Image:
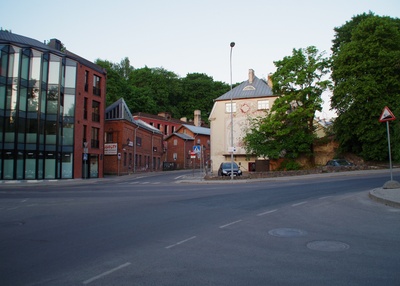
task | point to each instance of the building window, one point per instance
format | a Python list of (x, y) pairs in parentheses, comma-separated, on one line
[(86, 80), (85, 108), (228, 107), (165, 129), (263, 104), (96, 85), (175, 142), (95, 111), (173, 129), (109, 137), (95, 138), (138, 141)]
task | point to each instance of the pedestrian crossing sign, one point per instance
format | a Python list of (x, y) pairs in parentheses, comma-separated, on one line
[(197, 149)]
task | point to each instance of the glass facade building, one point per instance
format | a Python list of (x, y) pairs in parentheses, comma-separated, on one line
[(38, 96)]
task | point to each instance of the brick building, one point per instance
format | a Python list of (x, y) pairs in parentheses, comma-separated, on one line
[(179, 144), (131, 145)]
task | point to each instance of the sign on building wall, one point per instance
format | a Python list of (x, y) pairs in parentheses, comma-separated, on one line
[(110, 148)]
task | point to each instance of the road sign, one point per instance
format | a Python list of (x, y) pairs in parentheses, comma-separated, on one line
[(197, 149), (386, 115), (84, 157), (192, 155)]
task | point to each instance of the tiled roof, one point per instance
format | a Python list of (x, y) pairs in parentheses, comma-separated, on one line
[(183, 136), (257, 88), (197, 129)]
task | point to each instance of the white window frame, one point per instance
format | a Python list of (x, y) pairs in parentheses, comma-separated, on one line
[(263, 104), (228, 107)]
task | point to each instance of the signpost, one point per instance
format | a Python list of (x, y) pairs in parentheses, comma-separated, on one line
[(387, 116)]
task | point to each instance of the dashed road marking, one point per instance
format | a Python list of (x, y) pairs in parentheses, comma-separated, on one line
[(231, 223), (267, 212), (180, 242), (298, 204), (106, 273)]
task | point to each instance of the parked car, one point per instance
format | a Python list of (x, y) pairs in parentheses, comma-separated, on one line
[(225, 169), (339, 163)]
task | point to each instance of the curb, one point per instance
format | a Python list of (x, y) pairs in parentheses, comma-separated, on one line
[(382, 196)]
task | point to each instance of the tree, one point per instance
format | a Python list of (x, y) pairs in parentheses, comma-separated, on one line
[(366, 76), (198, 92), (288, 130)]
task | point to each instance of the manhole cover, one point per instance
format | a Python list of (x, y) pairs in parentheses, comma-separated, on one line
[(326, 245), (287, 232)]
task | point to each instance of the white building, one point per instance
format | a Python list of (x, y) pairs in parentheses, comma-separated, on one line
[(252, 98)]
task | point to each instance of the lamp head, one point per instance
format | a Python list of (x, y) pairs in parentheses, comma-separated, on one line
[(232, 44)]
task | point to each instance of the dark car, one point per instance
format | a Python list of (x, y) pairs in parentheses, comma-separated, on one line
[(225, 169), (339, 163)]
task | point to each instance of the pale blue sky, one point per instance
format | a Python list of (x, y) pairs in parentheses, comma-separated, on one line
[(189, 36)]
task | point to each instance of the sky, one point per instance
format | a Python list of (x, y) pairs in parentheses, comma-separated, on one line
[(190, 36)]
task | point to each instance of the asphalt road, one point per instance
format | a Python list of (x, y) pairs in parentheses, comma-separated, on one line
[(151, 231)]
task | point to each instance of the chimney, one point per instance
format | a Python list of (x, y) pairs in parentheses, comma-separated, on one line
[(251, 76), (55, 44), (184, 119), (197, 118), (269, 80)]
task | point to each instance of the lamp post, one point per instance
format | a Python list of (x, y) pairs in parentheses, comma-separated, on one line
[(230, 61)]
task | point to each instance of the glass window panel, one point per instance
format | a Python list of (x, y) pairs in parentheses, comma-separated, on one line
[(52, 100), (50, 165), (9, 129), (3, 92), (51, 132), (25, 67), (68, 136), (70, 76), (54, 72), (22, 98), (40, 166), (45, 69), (3, 64), (69, 105), (13, 64), (21, 130), (30, 165), (20, 166), (67, 164), (32, 130), (8, 165)]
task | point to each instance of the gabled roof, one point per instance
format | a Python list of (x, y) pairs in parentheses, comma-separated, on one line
[(120, 111), (251, 88), (180, 135), (197, 129)]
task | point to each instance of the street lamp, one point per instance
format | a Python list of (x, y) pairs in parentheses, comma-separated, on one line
[(230, 60)]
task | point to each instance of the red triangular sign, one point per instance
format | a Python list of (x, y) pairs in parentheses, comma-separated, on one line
[(386, 115)]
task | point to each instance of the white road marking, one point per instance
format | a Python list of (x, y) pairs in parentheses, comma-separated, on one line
[(268, 212), (222, 226), (323, 198), (106, 273), (176, 178), (180, 242), (145, 183), (298, 204)]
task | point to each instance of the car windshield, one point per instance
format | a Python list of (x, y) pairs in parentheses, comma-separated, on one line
[(228, 165), (342, 162)]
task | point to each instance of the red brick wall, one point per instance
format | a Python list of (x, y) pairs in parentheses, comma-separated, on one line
[(80, 121), (149, 150)]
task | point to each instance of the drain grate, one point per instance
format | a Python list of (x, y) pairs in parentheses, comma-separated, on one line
[(328, 245), (287, 232)]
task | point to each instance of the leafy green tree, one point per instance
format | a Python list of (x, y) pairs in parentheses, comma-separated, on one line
[(366, 75), (288, 130), (199, 92)]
